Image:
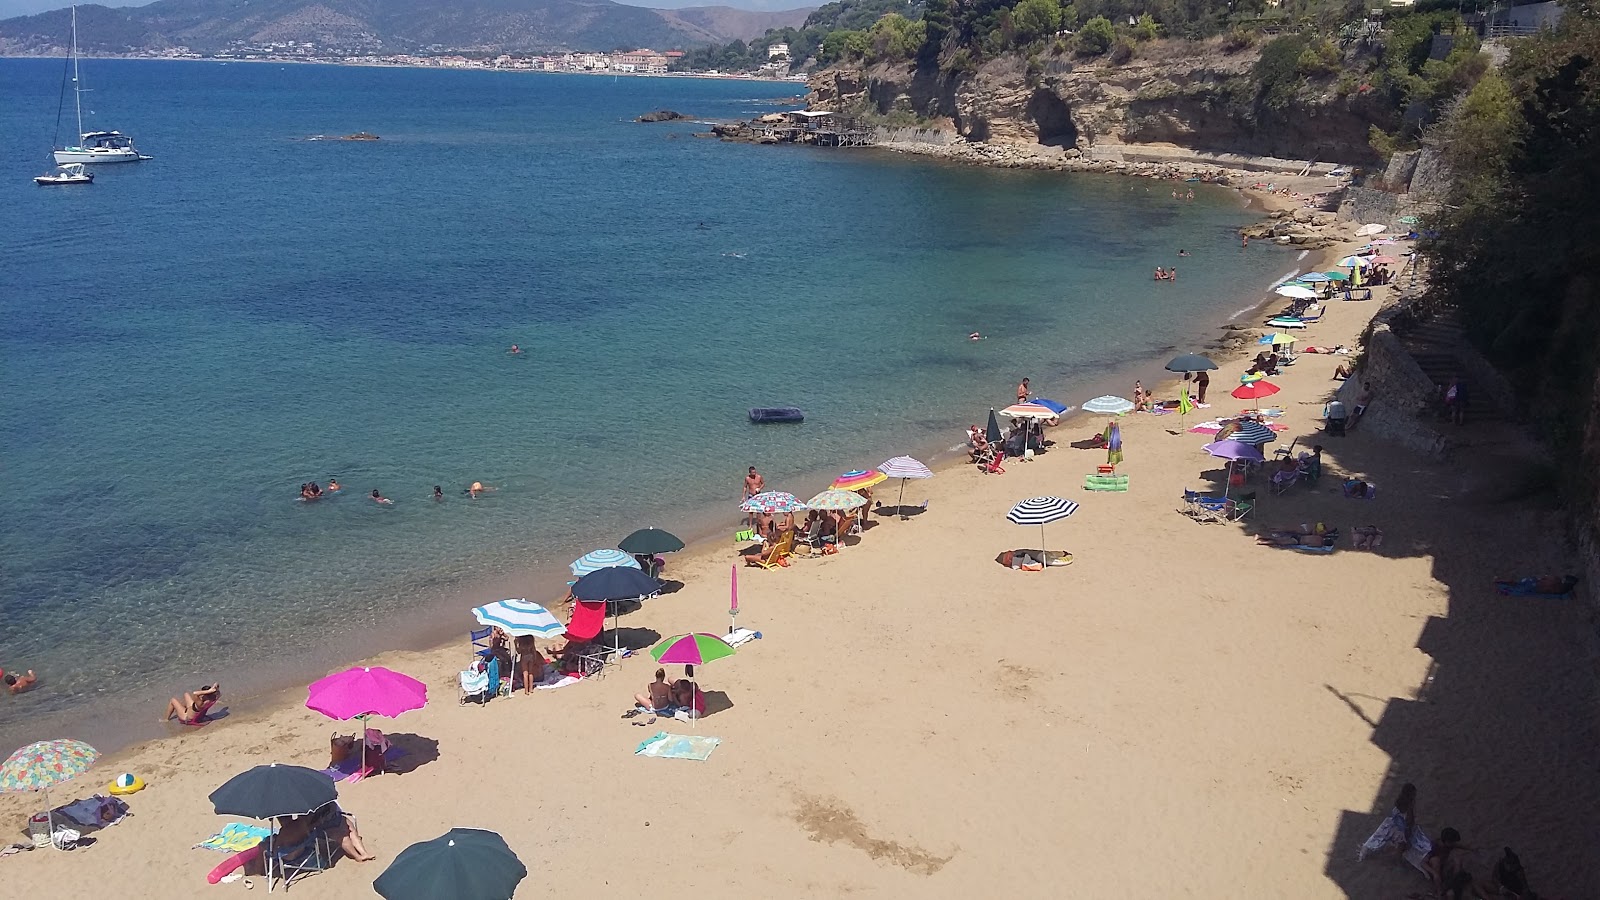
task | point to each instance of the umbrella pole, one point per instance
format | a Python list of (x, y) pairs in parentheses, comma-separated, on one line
[(900, 505), (1228, 484)]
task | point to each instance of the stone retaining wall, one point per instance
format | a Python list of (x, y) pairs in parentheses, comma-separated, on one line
[(1402, 392)]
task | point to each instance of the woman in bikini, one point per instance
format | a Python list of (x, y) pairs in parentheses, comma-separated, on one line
[(192, 708)]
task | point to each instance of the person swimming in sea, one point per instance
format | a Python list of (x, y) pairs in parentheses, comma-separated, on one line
[(333, 485), (1183, 253), (438, 492), (514, 351), (381, 498), (975, 336), (477, 488)]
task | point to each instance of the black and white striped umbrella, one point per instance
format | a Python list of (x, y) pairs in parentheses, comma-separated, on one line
[(1253, 433), (1039, 510)]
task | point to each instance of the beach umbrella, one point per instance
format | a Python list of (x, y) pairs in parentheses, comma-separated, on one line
[(1059, 409), (1276, 338), (1255, 390), (904, 468), (1190, 362), (1313, 277), (1369, 230), (366, 690), (363, 691), (1108, 405), (1295, 291), (1233, 451), (858, 479), (1041, 511), (1252, 432), (772, 502), (1336, 276), (833, 498), (992, 432), (606, 558), (1113, 445), (41, 765), (1354, 262), (1029, 410), (461, 864), (650, 541), (692, 649), (272, 790), (519, 617), (615, 583), (1383, 260)]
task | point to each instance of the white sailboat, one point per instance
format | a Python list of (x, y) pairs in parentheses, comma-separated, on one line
[(92, 146)]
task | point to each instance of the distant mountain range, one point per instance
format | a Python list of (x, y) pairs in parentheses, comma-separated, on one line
[(352, 27)]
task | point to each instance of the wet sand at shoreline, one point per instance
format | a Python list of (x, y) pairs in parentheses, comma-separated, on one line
[(1179, 712)]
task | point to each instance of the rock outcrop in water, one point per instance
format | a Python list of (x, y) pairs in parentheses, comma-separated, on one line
[(662, 115)]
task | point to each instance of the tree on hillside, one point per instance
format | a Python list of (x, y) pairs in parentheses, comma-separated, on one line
[(1036, 20), (1096, 36)]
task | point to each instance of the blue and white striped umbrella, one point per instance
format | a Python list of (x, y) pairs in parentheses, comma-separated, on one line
[(518, 617), (1253, 433), (1039, 510), (1108, 405), (905, 467), (596, 560)]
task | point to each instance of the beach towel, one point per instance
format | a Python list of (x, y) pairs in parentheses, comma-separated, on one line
[(1105, 483), (677, 746), (1524, 587), (1392, 832), (93, 812), (561, 682), (740, 636), (235, 837), (1211, 427)]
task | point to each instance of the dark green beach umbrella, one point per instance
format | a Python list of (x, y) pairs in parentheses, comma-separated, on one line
[(992, 433), (462, 864), (266, 792), (1190, 362), (649, 542)]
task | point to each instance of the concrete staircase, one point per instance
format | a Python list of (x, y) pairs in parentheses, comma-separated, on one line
[(1433, 344)]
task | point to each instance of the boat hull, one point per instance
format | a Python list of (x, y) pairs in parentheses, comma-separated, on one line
[(81, 155), (48, 180), (763, 415)]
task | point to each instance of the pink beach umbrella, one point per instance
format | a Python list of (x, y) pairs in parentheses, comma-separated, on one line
[(363, 691)]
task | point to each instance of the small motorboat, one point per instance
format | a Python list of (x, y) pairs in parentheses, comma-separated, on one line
[(762, 415), (71, 173)]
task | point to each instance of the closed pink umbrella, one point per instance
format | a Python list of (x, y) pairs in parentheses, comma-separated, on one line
[(365, 691)]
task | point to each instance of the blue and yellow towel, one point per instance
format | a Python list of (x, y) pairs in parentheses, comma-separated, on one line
[(236, 837)]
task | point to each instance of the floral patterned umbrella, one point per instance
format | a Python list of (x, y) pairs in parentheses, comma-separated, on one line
[(38, 766), (836, 499), (773, 502)]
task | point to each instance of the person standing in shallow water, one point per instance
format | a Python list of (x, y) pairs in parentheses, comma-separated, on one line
[(1023, 391)]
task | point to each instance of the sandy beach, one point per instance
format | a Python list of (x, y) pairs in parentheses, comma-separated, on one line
[(1180, 712)]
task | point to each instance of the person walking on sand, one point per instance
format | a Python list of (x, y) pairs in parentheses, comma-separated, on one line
[(1023, 391)]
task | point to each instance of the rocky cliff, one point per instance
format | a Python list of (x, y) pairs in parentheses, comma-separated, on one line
[(1191, 95)]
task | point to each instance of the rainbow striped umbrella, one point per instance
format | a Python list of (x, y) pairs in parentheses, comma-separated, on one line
[(857, 479), (38, 766), (833, 498)]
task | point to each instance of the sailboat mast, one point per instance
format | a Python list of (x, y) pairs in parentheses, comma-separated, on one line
[(77, 90)]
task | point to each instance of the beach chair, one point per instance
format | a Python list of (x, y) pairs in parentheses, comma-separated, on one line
[(1285, 452), (311, 854), (1243, 505), (480, 642), (994, 467), (777, 552), (1202, 505), (474, 683), (812, 537)]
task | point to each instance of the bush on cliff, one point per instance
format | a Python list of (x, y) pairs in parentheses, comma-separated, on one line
[(1036, 20), (1096, 36)]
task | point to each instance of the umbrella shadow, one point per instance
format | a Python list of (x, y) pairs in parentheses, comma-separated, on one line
[(904, 512), (670, 586), (716, 701), (1088, 444), (634, 638), (416, 751)]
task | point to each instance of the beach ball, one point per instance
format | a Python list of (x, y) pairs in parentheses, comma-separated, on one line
[(127, 783)]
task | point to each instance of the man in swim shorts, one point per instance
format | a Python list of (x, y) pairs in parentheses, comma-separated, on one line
[(1023, 391)]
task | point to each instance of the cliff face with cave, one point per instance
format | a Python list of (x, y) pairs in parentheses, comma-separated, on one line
[(1193, 96)]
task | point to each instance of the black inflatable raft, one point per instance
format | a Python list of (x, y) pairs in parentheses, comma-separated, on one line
[(762, 415)]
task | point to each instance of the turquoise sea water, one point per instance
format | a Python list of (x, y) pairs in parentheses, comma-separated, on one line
[(188, 339)]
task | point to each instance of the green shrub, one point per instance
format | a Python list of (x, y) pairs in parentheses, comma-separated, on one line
[(1036, 20), (1238, 39), (1096, 36), (1146, 29), (1124, 50)]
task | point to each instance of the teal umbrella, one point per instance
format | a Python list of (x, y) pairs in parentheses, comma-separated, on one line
[(462, 864), (992, 433)]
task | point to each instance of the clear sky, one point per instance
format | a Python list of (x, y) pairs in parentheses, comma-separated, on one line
[(9, 8)]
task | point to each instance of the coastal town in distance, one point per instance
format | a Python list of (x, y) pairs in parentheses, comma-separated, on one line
[(640, 61)]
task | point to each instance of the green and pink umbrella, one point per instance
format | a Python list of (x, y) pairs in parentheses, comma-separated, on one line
[(694, 649)]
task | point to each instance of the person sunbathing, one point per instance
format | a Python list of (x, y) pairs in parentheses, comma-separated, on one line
[(336, 822), (192, 708), (1298, 537), (656, 698)]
